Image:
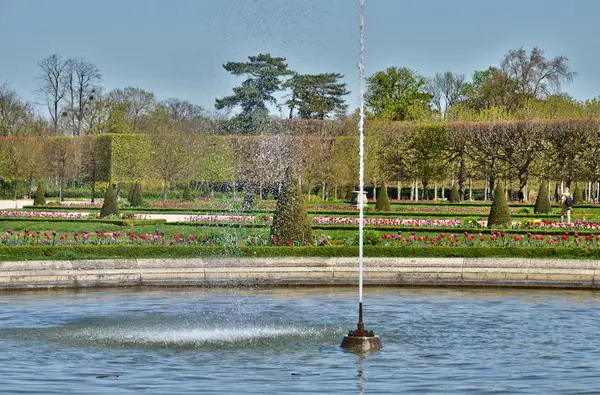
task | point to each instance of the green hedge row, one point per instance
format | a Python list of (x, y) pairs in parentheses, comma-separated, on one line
[(393, 228), (141, 251), (118, 222)]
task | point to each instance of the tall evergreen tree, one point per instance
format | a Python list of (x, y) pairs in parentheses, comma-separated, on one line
[(383, 202), (316, 96), (263, 74)]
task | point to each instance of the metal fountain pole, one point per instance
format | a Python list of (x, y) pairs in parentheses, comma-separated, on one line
[(361, 339)]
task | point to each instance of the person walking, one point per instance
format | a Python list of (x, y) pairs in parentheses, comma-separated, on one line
[(566, 202)]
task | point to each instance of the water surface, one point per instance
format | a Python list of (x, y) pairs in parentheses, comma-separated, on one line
[(286, 340)]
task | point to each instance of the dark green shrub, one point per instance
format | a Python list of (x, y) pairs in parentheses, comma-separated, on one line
[(39, 199), (383, 203), (110, 206), (290, 221), (187, 194), (499, 212), (454, 195), (542, 203), (136, 197), (577, 195)]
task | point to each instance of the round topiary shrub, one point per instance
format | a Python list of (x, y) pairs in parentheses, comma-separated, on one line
[(542, 203), (499, 213), (290, 221), (110, 206), (454, 195), (136, 198), (577, 195), (39, 199), (383, 202)]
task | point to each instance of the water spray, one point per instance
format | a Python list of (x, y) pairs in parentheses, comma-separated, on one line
[(361, 339)]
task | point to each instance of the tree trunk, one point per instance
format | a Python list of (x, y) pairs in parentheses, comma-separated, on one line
[(435, 195), (416, 191), (491, 182), (470, 189), (164, 196), (399, 193), (60, 190), (16, 191), (93, 191), (462, 176)]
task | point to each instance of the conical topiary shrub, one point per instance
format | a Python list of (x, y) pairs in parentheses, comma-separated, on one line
[(110, 206), (499, 213), (348, 197), (290, 221), (383, 202), (454, 195), (542, 203), (187, 194), (136, 197), (577, 195), (39, 199)]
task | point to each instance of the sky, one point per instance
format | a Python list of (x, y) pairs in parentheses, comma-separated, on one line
[(177, 48)]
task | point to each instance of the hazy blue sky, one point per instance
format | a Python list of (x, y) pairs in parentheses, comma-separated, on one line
[(176, 48)]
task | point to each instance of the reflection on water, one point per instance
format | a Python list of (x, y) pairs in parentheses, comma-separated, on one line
[(287, 340)]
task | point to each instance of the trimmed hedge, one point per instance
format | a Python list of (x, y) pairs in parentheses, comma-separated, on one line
[(114, 221), (135, 251)]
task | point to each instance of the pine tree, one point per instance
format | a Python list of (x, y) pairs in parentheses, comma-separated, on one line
[(290, 221), (499, 213), (454, 195), (110, 205), (577, 195), (383, 203), (39, 198), (542, 203)]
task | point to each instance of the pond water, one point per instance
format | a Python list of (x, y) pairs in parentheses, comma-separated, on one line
[(286, 340)]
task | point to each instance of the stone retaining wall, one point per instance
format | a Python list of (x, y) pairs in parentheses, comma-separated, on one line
[(301, 271)]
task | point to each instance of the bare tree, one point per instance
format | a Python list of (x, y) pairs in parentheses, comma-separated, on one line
[(446, 90), (535, 75), (14, 114), (138, 101), (82, 80), (53, 88)]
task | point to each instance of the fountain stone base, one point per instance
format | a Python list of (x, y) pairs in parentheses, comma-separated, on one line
[(360, 339)]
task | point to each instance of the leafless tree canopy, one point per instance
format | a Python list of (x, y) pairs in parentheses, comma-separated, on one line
[(83, 83), (446, 90), (52, 87)]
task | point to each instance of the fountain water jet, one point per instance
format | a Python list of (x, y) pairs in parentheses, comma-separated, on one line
[(361, 339)]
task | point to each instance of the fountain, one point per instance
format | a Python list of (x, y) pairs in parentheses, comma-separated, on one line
[(361, 339)]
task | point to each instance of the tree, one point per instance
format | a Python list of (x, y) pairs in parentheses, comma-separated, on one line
[(542, 203), (14, 114), (290, 220), (536, 76), (499, 212), (82, 79), (53, 87), (187, 117), (14, 154), (136, 197), (316, 96), (63, 160), (263, 73), (135, 102), (446, 90), (391, 93)]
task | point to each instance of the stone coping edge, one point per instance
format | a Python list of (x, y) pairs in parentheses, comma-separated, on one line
[(502, 272)]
